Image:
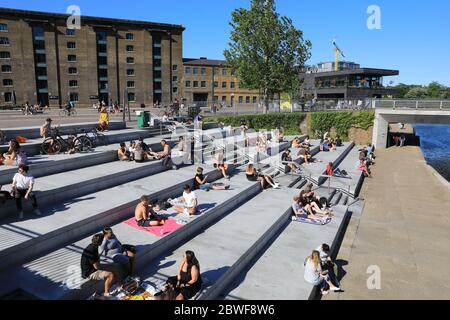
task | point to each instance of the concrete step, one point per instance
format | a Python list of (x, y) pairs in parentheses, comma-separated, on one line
[(280, 267), (43, 165), (355, 179), (33, 146), (77, 183), (56, 275), (34, 132), (236, 236), (317, 169), (216, 290), (337, 198), (71, 220)]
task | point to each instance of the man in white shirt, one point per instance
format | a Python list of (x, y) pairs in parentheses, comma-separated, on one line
[(22, 187), (189, 202)]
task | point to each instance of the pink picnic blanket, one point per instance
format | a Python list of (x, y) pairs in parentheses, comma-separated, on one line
[(160, 231)]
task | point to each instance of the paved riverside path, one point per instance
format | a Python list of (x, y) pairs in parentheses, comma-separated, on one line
[(404, 230)]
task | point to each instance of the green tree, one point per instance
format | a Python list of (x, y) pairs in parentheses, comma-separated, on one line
[(266, 50), (436, 90), (417, 93)]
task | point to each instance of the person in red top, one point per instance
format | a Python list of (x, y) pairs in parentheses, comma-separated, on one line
[(330, 169)]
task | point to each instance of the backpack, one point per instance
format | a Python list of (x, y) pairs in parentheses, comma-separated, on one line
[(324, 202)]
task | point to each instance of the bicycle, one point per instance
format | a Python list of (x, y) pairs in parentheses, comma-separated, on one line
[(56, 143), (67, 113), (96, 137)]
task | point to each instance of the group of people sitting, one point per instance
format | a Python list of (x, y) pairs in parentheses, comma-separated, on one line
[(321, 270), (107, 259), (140, 152), (309, 206), (330, 144), (15, 156), (304, 152), (366, 159)]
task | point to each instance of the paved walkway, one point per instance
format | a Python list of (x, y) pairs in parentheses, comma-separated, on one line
[(404, 229)]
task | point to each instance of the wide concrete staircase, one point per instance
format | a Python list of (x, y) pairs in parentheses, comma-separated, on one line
[(238, 232)]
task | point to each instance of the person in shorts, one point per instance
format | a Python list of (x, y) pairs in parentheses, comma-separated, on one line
[(145, 215), (90, 264)]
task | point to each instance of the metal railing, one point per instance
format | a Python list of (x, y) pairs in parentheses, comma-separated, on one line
[(412, 104)]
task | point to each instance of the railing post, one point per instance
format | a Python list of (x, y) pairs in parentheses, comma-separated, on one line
[(417, 104), (394, 104), (441, 105)]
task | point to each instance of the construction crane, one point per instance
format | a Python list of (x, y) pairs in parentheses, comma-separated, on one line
[(337, 51)]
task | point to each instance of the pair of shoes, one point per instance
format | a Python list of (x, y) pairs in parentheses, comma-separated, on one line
[(174, 167), (37, 212), (294, 218), (276, 186), (227, 187)]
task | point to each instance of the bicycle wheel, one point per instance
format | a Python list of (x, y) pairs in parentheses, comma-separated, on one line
[(73, 112), (63, 113), (51, 146), (82, 144)]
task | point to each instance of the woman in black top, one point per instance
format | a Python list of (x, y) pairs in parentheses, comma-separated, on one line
[(188, 280), (312, 207), (266, 181), (201, 182)]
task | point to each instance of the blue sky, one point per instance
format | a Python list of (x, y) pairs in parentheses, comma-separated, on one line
[(415, 34)]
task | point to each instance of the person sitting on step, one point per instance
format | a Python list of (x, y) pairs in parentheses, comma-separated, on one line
[(311, 206), (188, 282), (306, 143), (304, 153), (188, 203), (90, 264), (327, 262), (265, 180), (165, 155), (118, 253), (22, 187), (316, 276), (362, 166), (144, 214), (219, 164), (299, 212), (123, 153), (296, 143), (201, 182), (286, 159)]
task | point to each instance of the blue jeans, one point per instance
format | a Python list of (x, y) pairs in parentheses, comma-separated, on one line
[(205, 186)]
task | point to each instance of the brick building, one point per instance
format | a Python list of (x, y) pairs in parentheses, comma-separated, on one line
[(44, 61), (206, 81)]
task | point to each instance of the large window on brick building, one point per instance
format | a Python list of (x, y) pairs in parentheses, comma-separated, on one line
[(70, 32), (4, 41), (3, 27), (5, 55), (8, 97), (7, 82), (6, 68), (71, 45), (72, 58), (73, 83), (73, 70), (130, 72), (129, 36)]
